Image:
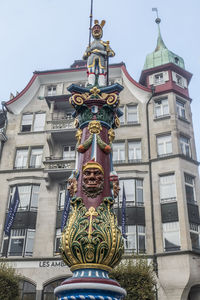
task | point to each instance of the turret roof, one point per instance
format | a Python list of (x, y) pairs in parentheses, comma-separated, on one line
[(162, 55)]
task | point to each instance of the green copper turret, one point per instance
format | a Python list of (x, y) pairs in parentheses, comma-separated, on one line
[(161, 55)]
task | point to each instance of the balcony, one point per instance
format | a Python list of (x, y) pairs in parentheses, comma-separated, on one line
[(58, 168), (3, 136), (62, 129)]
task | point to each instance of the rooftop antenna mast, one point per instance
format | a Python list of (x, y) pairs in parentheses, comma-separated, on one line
[(91, 17)]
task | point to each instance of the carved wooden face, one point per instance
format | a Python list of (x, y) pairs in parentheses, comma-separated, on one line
[(93, 180)]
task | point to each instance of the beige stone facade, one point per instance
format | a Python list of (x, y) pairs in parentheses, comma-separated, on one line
[(160, 179)]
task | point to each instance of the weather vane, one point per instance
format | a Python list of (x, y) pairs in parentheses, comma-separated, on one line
[(158, 20)]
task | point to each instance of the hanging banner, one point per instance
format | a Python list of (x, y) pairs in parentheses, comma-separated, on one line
[(65, 211), (124, 213), (12, 212)]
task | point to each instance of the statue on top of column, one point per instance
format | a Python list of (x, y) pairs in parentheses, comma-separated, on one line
[(97, 56)]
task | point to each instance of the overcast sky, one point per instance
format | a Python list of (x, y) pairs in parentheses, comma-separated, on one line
[(51, 34)]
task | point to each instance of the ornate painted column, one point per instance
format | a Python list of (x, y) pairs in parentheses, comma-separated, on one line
[(91, 243)]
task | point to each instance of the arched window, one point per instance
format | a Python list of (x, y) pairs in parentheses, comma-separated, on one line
[(27, 290), (48, 291)]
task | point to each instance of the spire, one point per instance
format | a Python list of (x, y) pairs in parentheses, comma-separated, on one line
[(161, 55), (160, 42)]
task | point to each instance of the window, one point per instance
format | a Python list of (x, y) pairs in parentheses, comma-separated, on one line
[(189, 189), (27, 290), (132, 114), (27, 121), (21, 158), (122, 118), (195, 236), (180, 108), (171, 236), (185, 146), (179, 80), (57, 240), (161, 108), (51, 90), (135, 241), (164, 145), (167, 188), (33, 122), (61, 196), (119, 152), (134, 151), (28, 195), (20, 243), (158, 78), (48, 292), (68, 152), (39, 122), (36, 157), (133, 190)]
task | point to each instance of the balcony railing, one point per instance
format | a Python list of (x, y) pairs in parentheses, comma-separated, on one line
[(58, 124), (3, 136), (53, 163)]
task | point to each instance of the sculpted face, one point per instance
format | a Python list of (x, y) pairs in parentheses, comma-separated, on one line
[(116, 188), (97, 32), (93, 180)]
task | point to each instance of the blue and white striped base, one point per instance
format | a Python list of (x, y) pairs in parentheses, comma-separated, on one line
[(89, 297)]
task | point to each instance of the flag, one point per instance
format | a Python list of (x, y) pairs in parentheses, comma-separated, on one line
[(65, 211), (154, 9), (12, 212), (124, 213)]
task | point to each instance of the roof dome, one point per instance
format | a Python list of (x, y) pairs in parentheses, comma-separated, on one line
[(162, 55)]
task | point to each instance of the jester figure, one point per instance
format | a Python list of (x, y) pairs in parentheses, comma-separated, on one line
[(97, 56)]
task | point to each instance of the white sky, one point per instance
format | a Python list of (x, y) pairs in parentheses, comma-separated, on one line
[(51, 34)]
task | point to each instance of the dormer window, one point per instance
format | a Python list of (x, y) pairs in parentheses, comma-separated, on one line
[(158, 78), (51, 90), (176, 59), (179, 80)]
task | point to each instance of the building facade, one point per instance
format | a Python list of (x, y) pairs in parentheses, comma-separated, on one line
[(154, 155)]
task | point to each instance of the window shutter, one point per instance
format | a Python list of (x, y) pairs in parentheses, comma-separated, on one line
[(185, 82), (173, 76), (166, 76), (151, 81)]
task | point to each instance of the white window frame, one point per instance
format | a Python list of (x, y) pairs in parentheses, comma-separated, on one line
[(69, 154), (158, 78), (165, 141), (39, 122), (185, 146), (160, 105), (61, 196), (179, 80), (119, 152), (167, 186), (21, 156), (170, 229), (51, 90), (36, 157), (134, 148), (191, 185), (58, 236), (132, 199), (133, 113), (27, 120), (195, 230), (20, 234), (122, 118), (181, 109), (132, 243), (34, 190)]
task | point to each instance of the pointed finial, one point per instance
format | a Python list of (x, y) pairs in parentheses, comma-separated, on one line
[(160, 43)]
